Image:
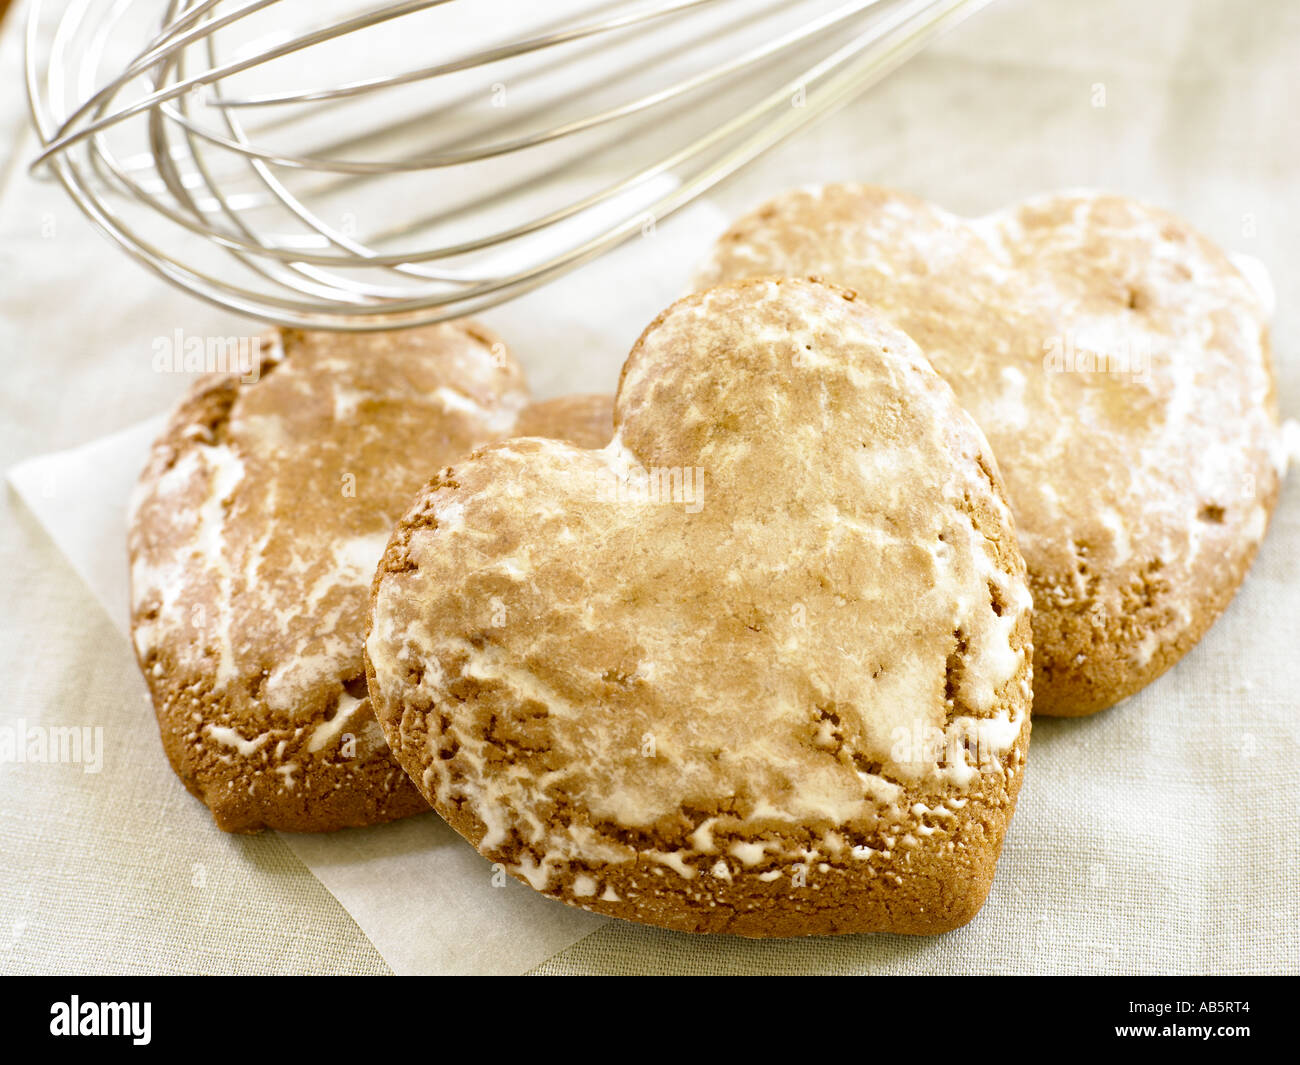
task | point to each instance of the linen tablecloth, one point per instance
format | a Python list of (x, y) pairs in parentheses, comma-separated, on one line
[(1159, 836)]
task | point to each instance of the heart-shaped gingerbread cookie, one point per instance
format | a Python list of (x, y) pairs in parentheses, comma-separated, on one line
[(1118, 363), (255, 532), (761, 665)]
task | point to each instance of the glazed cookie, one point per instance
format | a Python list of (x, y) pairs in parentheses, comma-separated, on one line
[(761, 665), (255, 531), (1119, 364), (584, 420)]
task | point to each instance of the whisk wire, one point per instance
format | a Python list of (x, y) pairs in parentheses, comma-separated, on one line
[(160, 160)]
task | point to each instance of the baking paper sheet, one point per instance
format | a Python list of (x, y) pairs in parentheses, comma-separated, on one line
[(421, 894)]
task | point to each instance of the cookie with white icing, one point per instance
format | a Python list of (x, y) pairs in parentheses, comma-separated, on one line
[(761, 665), (255, 531), (1118, 363)]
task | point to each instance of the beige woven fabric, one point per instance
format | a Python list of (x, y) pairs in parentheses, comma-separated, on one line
[(1159, 836)]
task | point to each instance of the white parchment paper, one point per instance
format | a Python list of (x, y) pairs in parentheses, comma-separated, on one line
[(421, 894)]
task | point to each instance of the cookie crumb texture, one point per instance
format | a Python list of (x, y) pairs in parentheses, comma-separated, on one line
[(1118, 363), (788, 694), (254, 535)]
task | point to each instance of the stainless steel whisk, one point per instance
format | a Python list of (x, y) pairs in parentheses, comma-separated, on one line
[(331, 166)]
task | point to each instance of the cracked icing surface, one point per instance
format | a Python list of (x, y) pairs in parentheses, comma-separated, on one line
[(1140, 498), (255, 531), (792, 700)]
